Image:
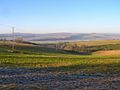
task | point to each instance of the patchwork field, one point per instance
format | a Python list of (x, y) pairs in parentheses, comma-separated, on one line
[(37, 68), (97, 42), (108, 53)]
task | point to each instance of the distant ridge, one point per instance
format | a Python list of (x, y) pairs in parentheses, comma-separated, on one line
[(63, 36)]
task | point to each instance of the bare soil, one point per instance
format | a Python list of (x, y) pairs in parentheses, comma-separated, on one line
[(39, 79)]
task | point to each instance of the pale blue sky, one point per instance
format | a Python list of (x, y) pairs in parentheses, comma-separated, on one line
[(48, 16)]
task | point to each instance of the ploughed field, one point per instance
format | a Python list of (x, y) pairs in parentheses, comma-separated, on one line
[(29, 69)]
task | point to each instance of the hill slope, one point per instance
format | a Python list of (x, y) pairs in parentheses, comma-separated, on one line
[(62, 36)]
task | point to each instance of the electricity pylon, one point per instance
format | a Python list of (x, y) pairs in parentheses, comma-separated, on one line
[(13, 38), (13, 35)]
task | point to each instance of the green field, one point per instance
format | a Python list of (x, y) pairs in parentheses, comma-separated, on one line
[(58, 60), (79, 64), (31, 67)]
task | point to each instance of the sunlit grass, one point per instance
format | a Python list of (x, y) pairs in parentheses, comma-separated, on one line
[(58, 60), (76, 63)]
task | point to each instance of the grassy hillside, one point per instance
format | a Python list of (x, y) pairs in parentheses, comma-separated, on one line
[(97, 43), (89, 47), (64, 63), (24, 48), (58, 60), (31, 66), (83, 47)]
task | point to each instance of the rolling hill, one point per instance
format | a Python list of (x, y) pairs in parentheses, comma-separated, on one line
[(62, 37)]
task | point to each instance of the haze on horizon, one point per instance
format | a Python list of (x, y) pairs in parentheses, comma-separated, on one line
[(51, 16)]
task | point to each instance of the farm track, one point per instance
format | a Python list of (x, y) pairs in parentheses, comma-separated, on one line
[(41, 79)]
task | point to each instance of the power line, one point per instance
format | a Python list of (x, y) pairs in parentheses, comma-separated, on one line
[(13, 35)]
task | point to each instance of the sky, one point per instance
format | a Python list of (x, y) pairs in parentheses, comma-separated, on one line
[(51, 16)]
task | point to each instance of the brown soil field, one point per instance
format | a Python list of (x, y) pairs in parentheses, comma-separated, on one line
[(12, 79), (108, 52)]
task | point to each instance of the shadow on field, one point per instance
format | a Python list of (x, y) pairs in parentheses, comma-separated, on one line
[(113, 68)]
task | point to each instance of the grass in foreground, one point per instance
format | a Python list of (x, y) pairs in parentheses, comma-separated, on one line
[(64, 63)]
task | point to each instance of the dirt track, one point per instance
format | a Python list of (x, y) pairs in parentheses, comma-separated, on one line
[(37, 79)]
